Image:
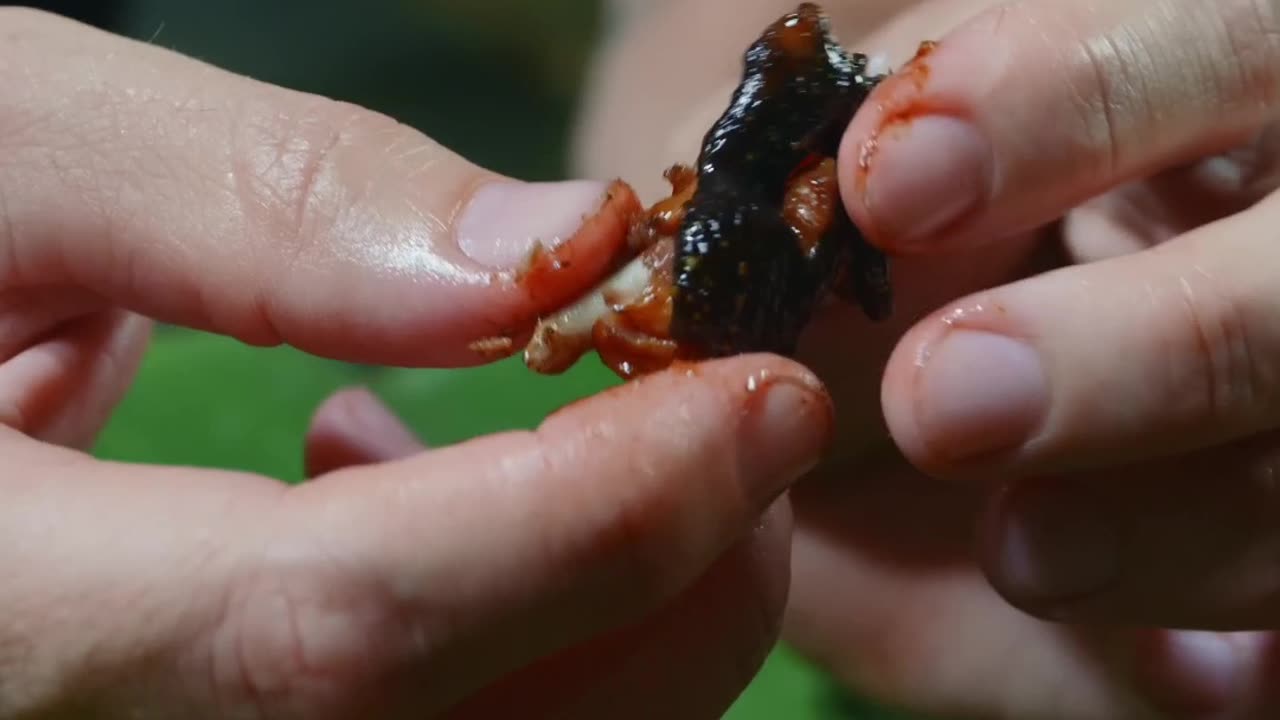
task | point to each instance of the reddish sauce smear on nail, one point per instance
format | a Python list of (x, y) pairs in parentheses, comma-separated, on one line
[(597, 246), (898, 99)]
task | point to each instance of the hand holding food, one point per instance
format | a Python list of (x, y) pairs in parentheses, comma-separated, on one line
[(601, 562), (754, 238), (1079, 200)]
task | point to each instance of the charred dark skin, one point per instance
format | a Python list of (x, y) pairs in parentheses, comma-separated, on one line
[(750, 241), (745, 279)]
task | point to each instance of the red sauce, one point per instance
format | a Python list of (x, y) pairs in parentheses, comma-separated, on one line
[(663, 219), (899, 101), (598, 244), (628, 352), (810, 203)]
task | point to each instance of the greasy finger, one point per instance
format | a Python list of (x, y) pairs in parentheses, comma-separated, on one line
[(690, 659), (526, 543), (202, 198), (1165, 351), (1034, 107)]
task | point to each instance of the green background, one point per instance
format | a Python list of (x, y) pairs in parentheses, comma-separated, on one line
[(501, 92)]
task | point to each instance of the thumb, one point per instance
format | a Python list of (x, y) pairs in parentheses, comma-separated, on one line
[(1034, 107), (202, 198)]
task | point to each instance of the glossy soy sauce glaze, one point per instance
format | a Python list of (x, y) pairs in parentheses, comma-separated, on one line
[(746, 280)]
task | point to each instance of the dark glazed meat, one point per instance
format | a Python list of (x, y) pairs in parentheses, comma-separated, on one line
[(752, 239), (747, 279)]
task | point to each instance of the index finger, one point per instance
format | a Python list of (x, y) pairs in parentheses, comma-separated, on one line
[(206, 199), (1033, 108)]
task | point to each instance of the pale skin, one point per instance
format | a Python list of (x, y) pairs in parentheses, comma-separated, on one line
[(1094, 450), (595, 567), (567, 571)]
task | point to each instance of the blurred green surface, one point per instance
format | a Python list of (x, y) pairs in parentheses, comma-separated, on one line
[(500, 92)]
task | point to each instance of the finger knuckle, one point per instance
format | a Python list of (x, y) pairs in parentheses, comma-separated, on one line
[(299, 643), (1231, 384), (1220, 59), (285, 157), (1103, 96), (1093, 81), (287, 161), (1251, 70)]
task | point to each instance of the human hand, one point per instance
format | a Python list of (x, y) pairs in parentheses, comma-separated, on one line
[(604, 564), (1129, 148)]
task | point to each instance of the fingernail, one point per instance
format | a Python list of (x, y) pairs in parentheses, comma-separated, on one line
[(1058, 545), (504, 221), (786, 429), (927, 175), (977, 393)]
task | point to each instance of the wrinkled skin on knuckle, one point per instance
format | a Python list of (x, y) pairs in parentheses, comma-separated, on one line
[(285, 167), (1147, 64), (319, 182), (301, 162), (308, 639), (1223, 376), (1252, 29)]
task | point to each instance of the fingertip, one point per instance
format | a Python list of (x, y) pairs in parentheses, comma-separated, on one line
[(966, 390), (775, 414), (550, 242), (353, 427), (905, 402), (914, 165)]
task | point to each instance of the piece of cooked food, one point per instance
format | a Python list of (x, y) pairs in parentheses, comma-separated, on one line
[(751, 239)]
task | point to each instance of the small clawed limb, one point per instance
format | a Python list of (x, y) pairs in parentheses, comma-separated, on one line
[(665, 217), (628, 352)]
